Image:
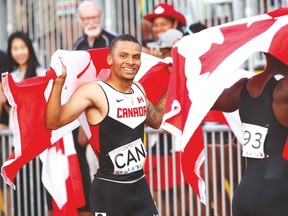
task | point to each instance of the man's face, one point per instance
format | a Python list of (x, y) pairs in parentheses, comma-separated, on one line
[(161, 25), (91, 21), (125, 60), (19, 51)]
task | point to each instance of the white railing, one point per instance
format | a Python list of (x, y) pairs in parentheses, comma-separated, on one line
[(222, 171), (29, 198)]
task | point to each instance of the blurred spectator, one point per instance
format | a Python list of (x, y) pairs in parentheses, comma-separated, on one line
[(5, 66), (25, 62), (166, 42), (90, 17), (163, 17), (26, 65)]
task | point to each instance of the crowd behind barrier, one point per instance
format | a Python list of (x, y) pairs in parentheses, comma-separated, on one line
[(222, 171), (54, 27), (53, 24)]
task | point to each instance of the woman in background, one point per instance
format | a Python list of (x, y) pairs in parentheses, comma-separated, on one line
[(28, 197), (163, 17), (25, 62)]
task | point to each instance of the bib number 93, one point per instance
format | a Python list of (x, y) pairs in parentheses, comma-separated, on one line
[(254, 138)]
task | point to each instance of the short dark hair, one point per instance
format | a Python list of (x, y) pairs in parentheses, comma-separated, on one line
[(194, 28), (123, 37)]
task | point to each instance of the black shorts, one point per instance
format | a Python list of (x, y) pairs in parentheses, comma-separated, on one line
[(121, 199), (261, 196)]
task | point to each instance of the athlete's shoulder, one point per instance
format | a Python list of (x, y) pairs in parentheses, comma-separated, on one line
[(91, 87)]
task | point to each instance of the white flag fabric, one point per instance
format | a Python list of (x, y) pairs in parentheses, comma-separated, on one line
[(206, 63)]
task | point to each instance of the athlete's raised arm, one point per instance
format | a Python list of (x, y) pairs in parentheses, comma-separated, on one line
[(56, 115)]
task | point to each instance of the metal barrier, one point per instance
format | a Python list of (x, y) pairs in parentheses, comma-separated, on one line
[(222, 171), (30, 196)]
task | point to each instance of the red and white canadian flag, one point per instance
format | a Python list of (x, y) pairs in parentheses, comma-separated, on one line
[(206, 63), (61, 176), (31, 137)]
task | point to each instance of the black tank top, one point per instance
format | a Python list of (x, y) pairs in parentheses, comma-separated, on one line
[(258, 111), (120, 135)]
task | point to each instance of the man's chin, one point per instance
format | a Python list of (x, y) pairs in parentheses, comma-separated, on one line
[(129, 79), (93, 33)]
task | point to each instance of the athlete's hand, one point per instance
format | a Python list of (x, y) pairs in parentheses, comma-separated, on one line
[(62, 77)]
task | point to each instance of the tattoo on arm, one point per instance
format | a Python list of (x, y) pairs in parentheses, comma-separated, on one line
[(160, 106), (155, 113), (152, 115)]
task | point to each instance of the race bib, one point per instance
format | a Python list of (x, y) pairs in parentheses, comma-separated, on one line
[(254, 138), (128, 158)]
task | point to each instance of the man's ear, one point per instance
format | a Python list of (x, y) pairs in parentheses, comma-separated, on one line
[(109, 59)]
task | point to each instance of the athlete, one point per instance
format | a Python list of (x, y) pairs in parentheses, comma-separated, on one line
[(116, 111), (90, 17), (263, 106)]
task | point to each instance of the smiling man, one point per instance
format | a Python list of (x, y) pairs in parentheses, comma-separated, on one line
[(116, 140), (90, 17)]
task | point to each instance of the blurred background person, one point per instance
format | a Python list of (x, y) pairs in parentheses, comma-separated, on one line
[(163, 17), (165, 43), (90, 17), (20, 50)]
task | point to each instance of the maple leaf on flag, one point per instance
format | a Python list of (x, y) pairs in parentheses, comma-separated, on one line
[(206, 63)]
